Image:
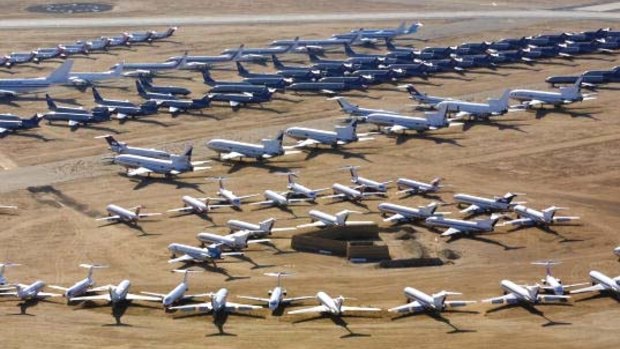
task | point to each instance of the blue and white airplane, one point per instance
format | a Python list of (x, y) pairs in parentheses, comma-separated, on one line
[(413, 187), (566, 95), (400, 213), (529, 217), (229, 150), (84, 286), (277, 296), (487, 205), (297, 189), (86, 79), (228, 196), (211, 253), (12, 125), (462, 227), (355, 110), (14, 87), (552, 284), (393, 123), (366, 183), (342, 135), (129, 216), (175, 165), (321, 219), (123, 148), (29, 292)]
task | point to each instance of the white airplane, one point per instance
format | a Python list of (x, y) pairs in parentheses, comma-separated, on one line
[(412, 187), (177, 164), (393, 123), (551, 284), (218, 305), (464, 109), (13, 87), (85, 79), (523, 294), (355, 110), (278, 199), (401, 213), (263, 228), (529, 217), (8, 207), (83, 286), (277, 295), (120, 214), (149, 69), (28, 292), (177, 294), (297, 189), (616, 252), (457, 226), (123, 148), (486, 205), (229, 150), (601, 283), (344, 193), (433, 303), (342, 135), (236, 241), (117, 294), (567, 95), (188, 253), (3, 267), (228, 196), (196, 205), (423, 98), (331, 306), (367, 184), (340, 219)]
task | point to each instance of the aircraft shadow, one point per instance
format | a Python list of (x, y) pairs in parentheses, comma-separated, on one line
[(238, 165), (339, 321), (437, 316), (31, 135), (214, 269), (146, 181), (151, 121), (541, 113), (485, 240), (534, 311), (468, 124), (405, 137), (599, 295), (312, 153)]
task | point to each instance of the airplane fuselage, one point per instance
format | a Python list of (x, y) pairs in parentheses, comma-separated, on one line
[(464, 226), (247, 149), (175, 295), (196, 205), (124, 214), (485, 204), (408, 122)]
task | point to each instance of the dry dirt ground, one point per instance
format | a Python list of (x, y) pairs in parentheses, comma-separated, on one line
[(59, 181)]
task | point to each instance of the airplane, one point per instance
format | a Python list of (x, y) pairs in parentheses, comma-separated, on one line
[(463, 109), (277, 295), (28, 292), (524, 295), (120, 40), (340, 219), (331, 306), (152, 95), (177, 294), (236, 241), (413, 187), (367, 184), (601, 283), (424, 98), (260, 51), (100, 44), (123, 148), (486, 205), (616, 252), (278, 199), (211, 253), (211, 60), (243, 72), (75, 49), (315, 43), (196, 205), (342, 192), (110, 103), (355, 110), (117, 294), (237, 100), (263, 228), (177, 164), (247, 85), (419, 301), (176, 106), (124, 113), (83, 286), (52, 106), (13, 87), (371, 36), (120, 214), (297, 189), (21, 58), (85, 79), (392, 123), (458, 227), (163, 35), (329, 88), (342, 135), (229, 150), (550, 283), (228, 196), (401, 213), (138, 69), (49, 53), (218, 305), (12, 125), (567, 95), (3, 266), (76, 119), (590, 77), (530, 217), (141, 36), (297, 73), (173, 90)]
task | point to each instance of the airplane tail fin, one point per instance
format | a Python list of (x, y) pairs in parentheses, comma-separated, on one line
[(389, 44), (274, 146), (140, 88), (96, 95), (51, 105), (118, 69), (508, 197), (184, 158), (267, 225), (345, 105), (347, 132), (313, 58), (429, 209), (491, 221), (61, 74), (414, 28), (413, 91), (502, 103), (436, 182), (32, 122), (549, 212), (349, 51), (207, 79), (342, 216), (402, 27), (241, 70), (438, 118), (183, 61), (238, 54), (294, 45), (276, 62)]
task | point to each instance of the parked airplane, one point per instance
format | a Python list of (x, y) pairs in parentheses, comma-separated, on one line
[(196, 205), (237, 100), (331, 306), (76, 119), (601, 283), (372, 36), (131, 216), (316, 43), (123, 148), (312, 137), (188, 253), (297, 189), (616, 252), (392, 123), (329, 88), (229, 150), (340, 219), (28, 292), (153, 95), (20, 58), (236, 241), (247, 85), (486, 205), (278, 199), (342, 192), (173, 90), (432, 303), (13, 87), (524, 295), (531, 217), (413, 187), (218, 305), (177, 164), (210, 60), (138, 69), (399, 213), (464, 109), (277, 295), (85, 79), (567, 95), (3, 266), (263, 228), (424, 98), (177, 294), (176, 106), (117, 294), (110, 103), (227, 196), (355, 110), (51, 105), (272, 50), (84, 286), (12, 125), (163, 35), (458, 227), (367, 184), (550, 283)]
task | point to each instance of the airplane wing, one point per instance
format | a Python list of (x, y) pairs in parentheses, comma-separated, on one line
[(234, 103), (552, 298), (396, 128), (509, 298), (317, 309), (306, 143), (245, 197), (313, 224), (139, 171), (6, 294), (109, 218), (141, 215), (137, 297), (412, 307), (451, 231), (3, 130), (72, 123), (471, 209), (231, 155), (456, 304), (173, 110), (595, 288), (121, 116), (534, 103), (273, 230), (296, 299), (266, 202), (230, 306), (329, 92), (258, 241), (520, 221), (394, 218), (48, 295), (346, 308), (60, 288), (461, 115), (104, 297), (183, 258), (182, 209), (194, 307), (161, 295), (258, 299), (334, 196), (99, 288)]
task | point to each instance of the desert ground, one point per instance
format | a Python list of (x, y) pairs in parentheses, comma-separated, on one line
[(61, 182)]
